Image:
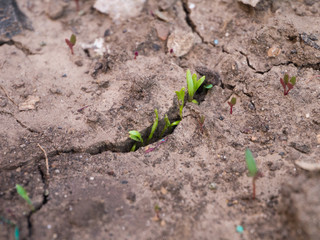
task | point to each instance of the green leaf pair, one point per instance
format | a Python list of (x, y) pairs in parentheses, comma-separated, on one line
[(292, 80), (193, 85)]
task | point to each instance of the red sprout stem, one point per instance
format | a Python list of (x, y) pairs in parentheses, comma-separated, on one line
[(136, 55), (253, 188), (70, 45), (77, 5)]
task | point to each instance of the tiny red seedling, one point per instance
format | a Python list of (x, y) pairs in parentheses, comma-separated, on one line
[(157, 211), (201, 123), (77, 4), (71, 42), (232, 103), (136, 55), (253, 171), (286, 84)]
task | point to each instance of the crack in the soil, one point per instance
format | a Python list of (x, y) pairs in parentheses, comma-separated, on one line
[(19, 46), (315, 66), (189, 21), (45, 200), (248, 62), (19, 122)]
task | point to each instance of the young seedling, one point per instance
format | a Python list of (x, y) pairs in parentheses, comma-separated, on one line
[(201, 123), (232, 103), (157, 211), (253, 171), (71, 42), (168, 125), (135, 135), (136, 55), (77, 4), (154, 126), (209, 86), (286, 84), (16, 228), (193, 85), (180, 95), (23, 193)]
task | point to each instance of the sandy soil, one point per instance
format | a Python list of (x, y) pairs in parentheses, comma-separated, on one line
[(79, 109)]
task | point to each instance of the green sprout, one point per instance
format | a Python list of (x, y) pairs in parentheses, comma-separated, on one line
[(253, 171), (16, 227), (168, 125), (180, 95), (23, 193), (287, 84), (193, 85), (209, 86), (154, 126), (201, 123), (232, 103), (71, 42), (135, 135)]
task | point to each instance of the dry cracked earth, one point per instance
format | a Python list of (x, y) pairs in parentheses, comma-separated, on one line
[(193, 183)]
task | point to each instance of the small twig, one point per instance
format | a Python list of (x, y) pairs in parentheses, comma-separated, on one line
[(150, 149), (80, 109), (46, 157), (5, 92)]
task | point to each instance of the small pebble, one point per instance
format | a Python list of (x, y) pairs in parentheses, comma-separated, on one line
[(191, 6), (124, 182), (307, 115), (91, 178), (49, 226), (78, 63), (213, 186), (106, 33), (64, 75)]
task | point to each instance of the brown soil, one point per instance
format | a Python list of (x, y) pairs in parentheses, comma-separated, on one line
[(97, 188)]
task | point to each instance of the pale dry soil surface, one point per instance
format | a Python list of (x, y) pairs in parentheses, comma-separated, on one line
[(194, 184)]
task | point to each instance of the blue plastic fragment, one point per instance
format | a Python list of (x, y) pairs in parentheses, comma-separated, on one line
[(239, 229), (216, 42)]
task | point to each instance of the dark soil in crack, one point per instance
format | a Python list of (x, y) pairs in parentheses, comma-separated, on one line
[(190, 182)]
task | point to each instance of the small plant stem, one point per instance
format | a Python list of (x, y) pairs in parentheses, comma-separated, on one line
[(253, 188), (77, 5), (231, 105)]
